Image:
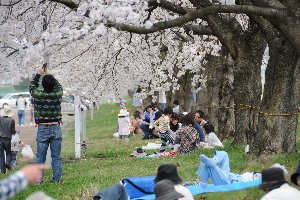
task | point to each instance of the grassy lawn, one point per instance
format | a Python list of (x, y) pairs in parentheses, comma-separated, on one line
[(107, 162)]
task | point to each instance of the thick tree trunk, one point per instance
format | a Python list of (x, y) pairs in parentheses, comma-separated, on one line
[(247, 89), (184, 94), (278, 118), (226, 103), (213, 69)]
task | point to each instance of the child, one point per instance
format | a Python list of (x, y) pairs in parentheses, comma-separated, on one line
[(124, 124), (15, 141), (162, 125), (211, 138)]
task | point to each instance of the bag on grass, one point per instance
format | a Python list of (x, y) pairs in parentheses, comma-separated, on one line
[(27, 152), (139, 186)]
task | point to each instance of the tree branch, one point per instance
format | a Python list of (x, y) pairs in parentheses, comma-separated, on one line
[(198, 29), (69, 3), (200, 13), (169, 6), (10, 4)]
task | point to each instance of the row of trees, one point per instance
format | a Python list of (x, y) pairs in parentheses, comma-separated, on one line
[(99, 46)]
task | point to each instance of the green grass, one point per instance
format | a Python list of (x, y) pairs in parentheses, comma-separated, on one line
[(107, 162)]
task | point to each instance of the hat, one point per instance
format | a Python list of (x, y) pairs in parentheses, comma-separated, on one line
[(167, 171), (6, 112), (295, 175), (123, 113), (164, 190), (272, 178)]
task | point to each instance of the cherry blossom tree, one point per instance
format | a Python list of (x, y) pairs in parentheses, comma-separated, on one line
[(81, 38)]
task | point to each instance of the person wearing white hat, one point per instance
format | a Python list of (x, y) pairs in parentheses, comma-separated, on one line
[(7, 124), (123, 124)]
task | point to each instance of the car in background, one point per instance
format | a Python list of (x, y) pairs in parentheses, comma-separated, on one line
[(11, 98), (67, 106)]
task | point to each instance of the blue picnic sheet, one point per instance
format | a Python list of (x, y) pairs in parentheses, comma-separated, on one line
[(197, 189)]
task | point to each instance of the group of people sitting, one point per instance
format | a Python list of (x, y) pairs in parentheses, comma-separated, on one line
[(182, 133)]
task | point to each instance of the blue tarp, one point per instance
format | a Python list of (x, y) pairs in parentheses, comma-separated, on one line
[(197, 189)]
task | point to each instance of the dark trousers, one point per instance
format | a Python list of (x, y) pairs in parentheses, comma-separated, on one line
[(5, 146)]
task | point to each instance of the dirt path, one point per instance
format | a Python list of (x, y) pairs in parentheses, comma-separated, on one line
[(28, 132)]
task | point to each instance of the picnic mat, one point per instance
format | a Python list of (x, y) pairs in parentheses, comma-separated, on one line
[(197, 189)]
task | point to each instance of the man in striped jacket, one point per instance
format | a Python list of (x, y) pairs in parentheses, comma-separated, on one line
[(47, 115)]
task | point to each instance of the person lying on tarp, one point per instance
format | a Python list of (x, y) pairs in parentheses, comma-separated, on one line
[(217, 169)]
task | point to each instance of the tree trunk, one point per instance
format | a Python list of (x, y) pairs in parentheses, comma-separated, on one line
[(247, 87), (226, 103), (213, 68), (184, 94), (278, 118)]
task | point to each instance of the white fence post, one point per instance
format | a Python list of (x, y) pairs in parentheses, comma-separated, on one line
[(92, 110), (77, 127)]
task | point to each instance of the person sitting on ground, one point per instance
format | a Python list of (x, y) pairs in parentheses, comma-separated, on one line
[(174, 124), (162, 125), (137, 118), (176, 106), (295, 178), (148, 118), (199, 117), (211, 138), (217, 169), (275, 186), (187, 136), (164, 190), (169, 172), (19, 180)]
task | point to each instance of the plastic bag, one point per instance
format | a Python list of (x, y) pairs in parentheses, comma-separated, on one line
[(27, 152)]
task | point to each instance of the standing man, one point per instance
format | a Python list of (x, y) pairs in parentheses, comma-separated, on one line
[(7, 125), (162, 99), (137, 102), (21, 104), (47, 115)]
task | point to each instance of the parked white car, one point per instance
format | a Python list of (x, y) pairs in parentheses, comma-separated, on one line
[(11, 98), (67, 106)]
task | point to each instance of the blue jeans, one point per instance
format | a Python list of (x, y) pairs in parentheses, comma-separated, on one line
[(162, 106), (21, 116), (115, 192), (50, 134), (5, 145)]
